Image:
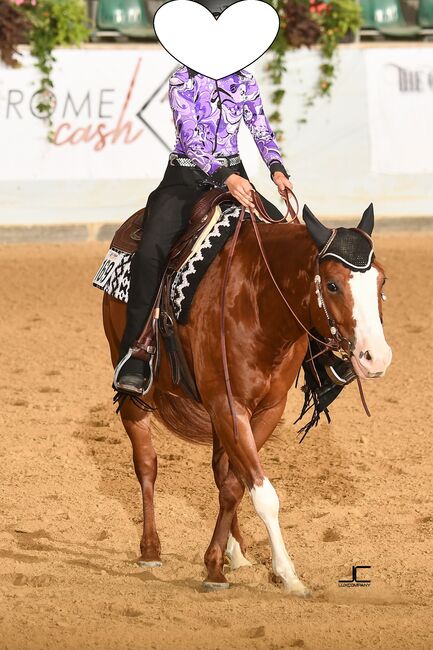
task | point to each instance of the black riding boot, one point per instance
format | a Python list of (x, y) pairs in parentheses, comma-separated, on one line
[(167, 216), (324, 381)]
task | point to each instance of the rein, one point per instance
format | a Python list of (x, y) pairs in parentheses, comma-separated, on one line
[(336, 340)]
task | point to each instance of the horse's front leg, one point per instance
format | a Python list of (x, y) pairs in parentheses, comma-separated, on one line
[(267, 505), (137, 426), (246, 467)]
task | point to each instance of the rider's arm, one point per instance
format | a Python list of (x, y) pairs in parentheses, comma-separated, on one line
[(259, 127), (191, 132)]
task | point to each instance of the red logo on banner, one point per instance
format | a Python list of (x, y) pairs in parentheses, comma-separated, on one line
[(99, 134)]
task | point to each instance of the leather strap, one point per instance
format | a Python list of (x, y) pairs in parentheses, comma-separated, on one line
[(290, 209), (331, 346), (222, 324)]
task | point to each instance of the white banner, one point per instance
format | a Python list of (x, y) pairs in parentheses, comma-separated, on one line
[(111, 117), (400, 105)]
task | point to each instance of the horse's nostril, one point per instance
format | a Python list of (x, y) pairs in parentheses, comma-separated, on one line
[(365, 354)]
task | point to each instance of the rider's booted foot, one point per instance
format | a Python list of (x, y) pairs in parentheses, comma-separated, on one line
[(340, 372), (132, 376)]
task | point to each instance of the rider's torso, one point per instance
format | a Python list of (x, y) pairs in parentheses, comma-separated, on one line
[(209, 113)]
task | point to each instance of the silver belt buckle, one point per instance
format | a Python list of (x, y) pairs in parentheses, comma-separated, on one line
[(172, 158), (224, 162)]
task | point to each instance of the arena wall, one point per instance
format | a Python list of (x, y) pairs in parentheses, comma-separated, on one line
[(372, 140)]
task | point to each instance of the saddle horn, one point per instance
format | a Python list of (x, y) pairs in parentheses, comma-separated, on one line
[(367, 222), (319, 233)]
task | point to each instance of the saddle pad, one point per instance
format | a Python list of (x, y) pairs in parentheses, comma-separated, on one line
[(114, 274), (191, 273)]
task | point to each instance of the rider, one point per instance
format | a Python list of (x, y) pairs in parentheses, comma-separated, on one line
[(207, 114)]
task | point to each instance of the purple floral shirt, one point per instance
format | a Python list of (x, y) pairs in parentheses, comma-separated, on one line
[(207, 114)]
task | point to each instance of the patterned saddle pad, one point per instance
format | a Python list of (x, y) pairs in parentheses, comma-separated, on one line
[(114, 274)]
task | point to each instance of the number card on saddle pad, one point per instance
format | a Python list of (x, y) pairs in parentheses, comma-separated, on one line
[(114, 274)]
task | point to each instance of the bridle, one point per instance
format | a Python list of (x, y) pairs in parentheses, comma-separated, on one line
[(336, 342)]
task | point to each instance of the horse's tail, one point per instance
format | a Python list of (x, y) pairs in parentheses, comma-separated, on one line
[(184, 417)]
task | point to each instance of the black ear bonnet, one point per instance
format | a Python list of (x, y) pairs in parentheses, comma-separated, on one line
[(352, 247)]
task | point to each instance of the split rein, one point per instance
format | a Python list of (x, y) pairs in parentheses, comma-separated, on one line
[(335, 343)]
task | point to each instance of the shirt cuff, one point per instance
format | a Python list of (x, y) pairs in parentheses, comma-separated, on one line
[(220, 176), (277, 166)]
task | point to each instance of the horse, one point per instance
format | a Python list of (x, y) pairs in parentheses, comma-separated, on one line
[(280, 289)]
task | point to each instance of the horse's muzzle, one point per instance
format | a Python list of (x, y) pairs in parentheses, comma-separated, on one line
[(369, 365)]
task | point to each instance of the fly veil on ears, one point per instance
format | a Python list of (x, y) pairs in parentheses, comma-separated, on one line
[(352, 247)]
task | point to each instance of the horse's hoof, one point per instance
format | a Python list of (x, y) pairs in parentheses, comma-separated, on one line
[(149, 564), (215, 586), (234, 554), (236, 562), (298, 590)]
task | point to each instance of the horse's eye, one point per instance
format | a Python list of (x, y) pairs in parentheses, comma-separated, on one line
[(332, 287)]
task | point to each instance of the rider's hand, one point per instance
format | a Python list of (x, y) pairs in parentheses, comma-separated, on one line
[(283, 183), (241, 189)]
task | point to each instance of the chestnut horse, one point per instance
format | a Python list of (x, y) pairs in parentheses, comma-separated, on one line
[(266, 345)]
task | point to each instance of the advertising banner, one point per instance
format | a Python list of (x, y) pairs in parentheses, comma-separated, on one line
[(111, 116), (400, 106)]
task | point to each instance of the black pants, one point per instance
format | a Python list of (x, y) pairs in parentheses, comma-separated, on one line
[(168, 212)]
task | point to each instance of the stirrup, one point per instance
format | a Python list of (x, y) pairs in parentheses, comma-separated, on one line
[(341, 378), (147, 383)]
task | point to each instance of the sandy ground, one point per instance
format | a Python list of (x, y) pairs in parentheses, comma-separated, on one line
[(356, 492)]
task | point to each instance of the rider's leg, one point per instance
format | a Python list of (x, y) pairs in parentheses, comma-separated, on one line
[(167, 217)]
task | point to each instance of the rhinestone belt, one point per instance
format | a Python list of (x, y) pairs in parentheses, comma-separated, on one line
[(183, 161)]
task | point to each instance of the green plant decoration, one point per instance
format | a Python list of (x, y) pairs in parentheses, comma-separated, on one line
[(51, 24), (304, 23)]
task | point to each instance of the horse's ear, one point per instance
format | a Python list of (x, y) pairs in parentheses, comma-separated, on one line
[(319, 233), (367, 222)]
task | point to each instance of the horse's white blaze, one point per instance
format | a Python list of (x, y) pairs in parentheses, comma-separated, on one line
[(234, 553), (267, 505), (372, 354)]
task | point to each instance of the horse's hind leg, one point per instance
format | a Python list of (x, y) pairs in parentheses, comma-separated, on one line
[(235, 549), (137, 426), (230, 494)]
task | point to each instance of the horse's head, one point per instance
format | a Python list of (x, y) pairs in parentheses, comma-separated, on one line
[(349, 292)]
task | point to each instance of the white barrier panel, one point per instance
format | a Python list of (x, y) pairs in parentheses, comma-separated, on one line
[(400, 106), (371, 141), (111, 117)]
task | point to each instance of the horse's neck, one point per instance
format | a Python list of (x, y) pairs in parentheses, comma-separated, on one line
[(291, 256)]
